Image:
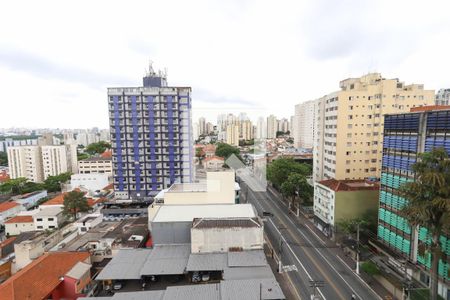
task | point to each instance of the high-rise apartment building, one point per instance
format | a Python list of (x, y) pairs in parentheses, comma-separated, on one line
[(283, 125), (233, 135), (304, 118), (348, 144), (202, 126), (151, 136), (246, 130), (406, 135), (261, 129), (272, 126), (57, 159), (443, 97), (25, 161)]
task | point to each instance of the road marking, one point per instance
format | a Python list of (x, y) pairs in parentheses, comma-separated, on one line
[(326, 260), (288, 275), (290, 249), (317, 236)]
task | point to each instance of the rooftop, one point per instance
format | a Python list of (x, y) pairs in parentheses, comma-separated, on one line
[(187, 213), (429, 108), (48, 211), (59, 200), (41, 276), (20, 219), (97, 158), (225, 222), (349, 185), (4, 206)]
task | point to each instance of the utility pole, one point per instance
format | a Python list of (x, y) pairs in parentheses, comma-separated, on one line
[(357, 248)]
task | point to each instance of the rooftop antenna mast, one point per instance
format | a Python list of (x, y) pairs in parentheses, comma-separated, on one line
[(150, 68)]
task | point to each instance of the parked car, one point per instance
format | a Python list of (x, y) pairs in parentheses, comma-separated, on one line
[(196, 277), (205, 277), (117, 285)]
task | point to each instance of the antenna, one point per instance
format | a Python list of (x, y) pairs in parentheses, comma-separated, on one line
[(150, 67)]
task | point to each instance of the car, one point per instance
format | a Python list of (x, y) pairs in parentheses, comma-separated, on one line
[(267, 214), (205, 277), (196, 277), (117, 286)]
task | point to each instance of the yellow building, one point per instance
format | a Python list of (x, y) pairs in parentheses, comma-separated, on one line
[(349, 124), (233, 135)]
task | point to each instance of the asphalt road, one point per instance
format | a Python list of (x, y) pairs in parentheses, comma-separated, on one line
[(307, 251)]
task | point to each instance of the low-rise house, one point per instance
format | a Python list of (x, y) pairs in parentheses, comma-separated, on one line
[(337, 200), (56, 275), (50, 217), (87, 222), (18, 224), (9, 209), (30, 199), (213, 162), (58, 200), (96, 165)]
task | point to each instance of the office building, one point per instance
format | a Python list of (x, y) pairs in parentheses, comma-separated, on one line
[(25, 161), (443, 97), (303, 127), (349, 124), (406, 135), (59, 159), (151, 136)]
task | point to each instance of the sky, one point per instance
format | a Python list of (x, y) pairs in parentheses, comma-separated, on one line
[(262, 57)]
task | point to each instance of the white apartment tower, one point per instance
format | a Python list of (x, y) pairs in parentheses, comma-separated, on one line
[(25, 161), (303, 127), (59, 159), (272, 126), (348, 139)]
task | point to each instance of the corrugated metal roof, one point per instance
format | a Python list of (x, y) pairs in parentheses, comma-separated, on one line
[(194, 292), (207, 262), (250, 289), (200, 223), (236, 273), (125, 265), (251, 258), (167, 260)]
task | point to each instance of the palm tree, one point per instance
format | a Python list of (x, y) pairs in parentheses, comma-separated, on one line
[(75, 202), (429, 205)]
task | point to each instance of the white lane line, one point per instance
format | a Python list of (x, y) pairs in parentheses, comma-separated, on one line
[(290, 249), (326, 260), (368, 286), (317, 236)]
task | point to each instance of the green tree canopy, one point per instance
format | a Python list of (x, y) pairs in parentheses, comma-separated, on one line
[(97, 148), (3, 158), (75, 202), (429, 204), (225, 151), (297, 188), (53, 183), (279, 170)]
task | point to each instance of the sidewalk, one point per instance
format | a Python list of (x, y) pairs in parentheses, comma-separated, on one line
[(334, 248)]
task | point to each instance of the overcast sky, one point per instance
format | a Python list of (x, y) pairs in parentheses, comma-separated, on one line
[(57, 59)]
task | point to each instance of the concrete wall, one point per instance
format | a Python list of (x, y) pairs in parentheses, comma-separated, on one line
[(92, 182), (353, 204), (17, 228), (222, 239), (171, 232)]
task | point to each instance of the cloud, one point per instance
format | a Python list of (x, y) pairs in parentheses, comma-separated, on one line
[(17, 59)]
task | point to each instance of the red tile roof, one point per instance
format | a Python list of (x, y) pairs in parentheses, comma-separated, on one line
[(106, 154), (214, 157), (108, 187), (37, 280), (7, 205), (59, 199), (7, 242), (20, 219), (349, 185)]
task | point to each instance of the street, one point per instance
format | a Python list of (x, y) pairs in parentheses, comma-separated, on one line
[(300, 246)]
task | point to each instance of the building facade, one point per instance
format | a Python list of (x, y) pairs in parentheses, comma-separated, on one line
[(233, 135), (443, 97), (303, 127), (351, 124), (57, 159), (406, 135), (25, 161), (96, 165), (151, 136), (272, 126)]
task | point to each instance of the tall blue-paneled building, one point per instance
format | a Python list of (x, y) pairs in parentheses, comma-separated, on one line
[(406, 135), (151, 137)]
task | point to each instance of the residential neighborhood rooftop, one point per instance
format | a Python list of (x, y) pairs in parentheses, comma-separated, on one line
[(349, 185)]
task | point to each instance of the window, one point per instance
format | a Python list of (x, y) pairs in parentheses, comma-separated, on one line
[(50, 219), (39, 227), (51, 226), (349, 126), (39, 219), (347, 171)]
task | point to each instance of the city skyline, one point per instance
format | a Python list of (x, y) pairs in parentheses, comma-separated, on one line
[(66, 77)]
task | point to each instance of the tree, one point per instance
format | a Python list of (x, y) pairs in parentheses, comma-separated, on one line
[(74, 202), (3, 159), (225, 151), (53, 183), (14, 186), (199, 154), (296, 187), (280, 169), (97, 148), (429, 205)]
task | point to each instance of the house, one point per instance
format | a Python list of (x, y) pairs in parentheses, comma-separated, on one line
[(213, 162), (18, 224), (30, 199), (87, 222), (337, 200), (48, 217), (9, 209), (209, 150), (59, 200), (54, 275)]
